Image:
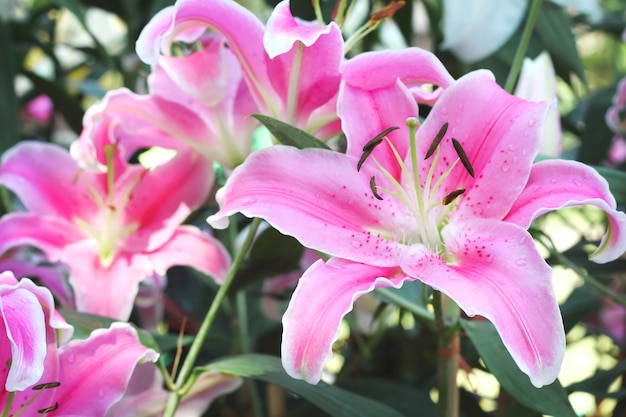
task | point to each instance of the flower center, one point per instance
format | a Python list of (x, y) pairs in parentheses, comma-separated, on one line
[(431, 212), (108, 229)]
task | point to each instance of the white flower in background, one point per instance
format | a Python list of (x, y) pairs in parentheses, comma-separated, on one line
[(537, 82), (474, 30)]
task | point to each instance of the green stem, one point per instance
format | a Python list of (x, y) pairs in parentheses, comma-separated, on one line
[(246, 347), (516, 67), (196, 345), (448, 353)]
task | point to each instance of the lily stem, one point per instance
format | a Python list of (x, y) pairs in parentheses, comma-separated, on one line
[(448, 354), (194, 350), (516, 66)]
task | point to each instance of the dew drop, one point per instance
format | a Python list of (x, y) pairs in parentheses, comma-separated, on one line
[(444, 110), (489, 258), (524, 152), (577, 183), (554, 181), (506, 167), (356, 244), (522, 241), (531, 122), (521, 262), (248, 201), (71, 358), (101, 393)]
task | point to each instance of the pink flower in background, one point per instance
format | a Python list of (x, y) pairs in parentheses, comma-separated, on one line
[(112, 229), (198, 101), (290, 66), (146, 397), (616, 114), (82, 377), (616, 120), (39, 109), (449, 207)]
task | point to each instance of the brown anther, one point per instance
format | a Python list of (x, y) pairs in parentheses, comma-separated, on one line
[(48, 409), (435, 143), (452, 196), (372, 144), (373, 188), (387, 11), (46, 386), (463, 157)]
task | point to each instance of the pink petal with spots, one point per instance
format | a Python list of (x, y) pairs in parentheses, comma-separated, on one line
[(497, 273), (499, 133), (328, 195)]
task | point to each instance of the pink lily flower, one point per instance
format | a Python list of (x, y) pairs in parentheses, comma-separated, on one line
[(290, 66), (79, 378), (112, 229), (452, 213), (197, 101)]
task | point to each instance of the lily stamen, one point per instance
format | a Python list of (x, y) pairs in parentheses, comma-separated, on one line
[(372, 144), (373, 188), (436, 141), (463, 157), (452, 196)]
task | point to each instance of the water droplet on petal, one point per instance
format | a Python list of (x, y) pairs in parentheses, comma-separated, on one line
[(554, 181), (522, 241), (577, 183), (101, 393), (248, 201), (521, 262), (506, 167), (489, 258), (356, 244), (531, 122), (70, 358)]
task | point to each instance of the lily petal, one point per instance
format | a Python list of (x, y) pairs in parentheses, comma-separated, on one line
[(164, 197), (555, 184), (328, 195), (412, 66), (324, 295), (95, 372), (108, 291), (23, 337), (498, 274), (47, 233), (489, 127), (303, 63), (41, 175), (241, 28), (191, 247)]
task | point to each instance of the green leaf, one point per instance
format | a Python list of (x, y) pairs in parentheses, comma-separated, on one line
[(550, 399), (555, 30), (9, 109), (335, 401), (290, 135), (85, 323), (617, 182)]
